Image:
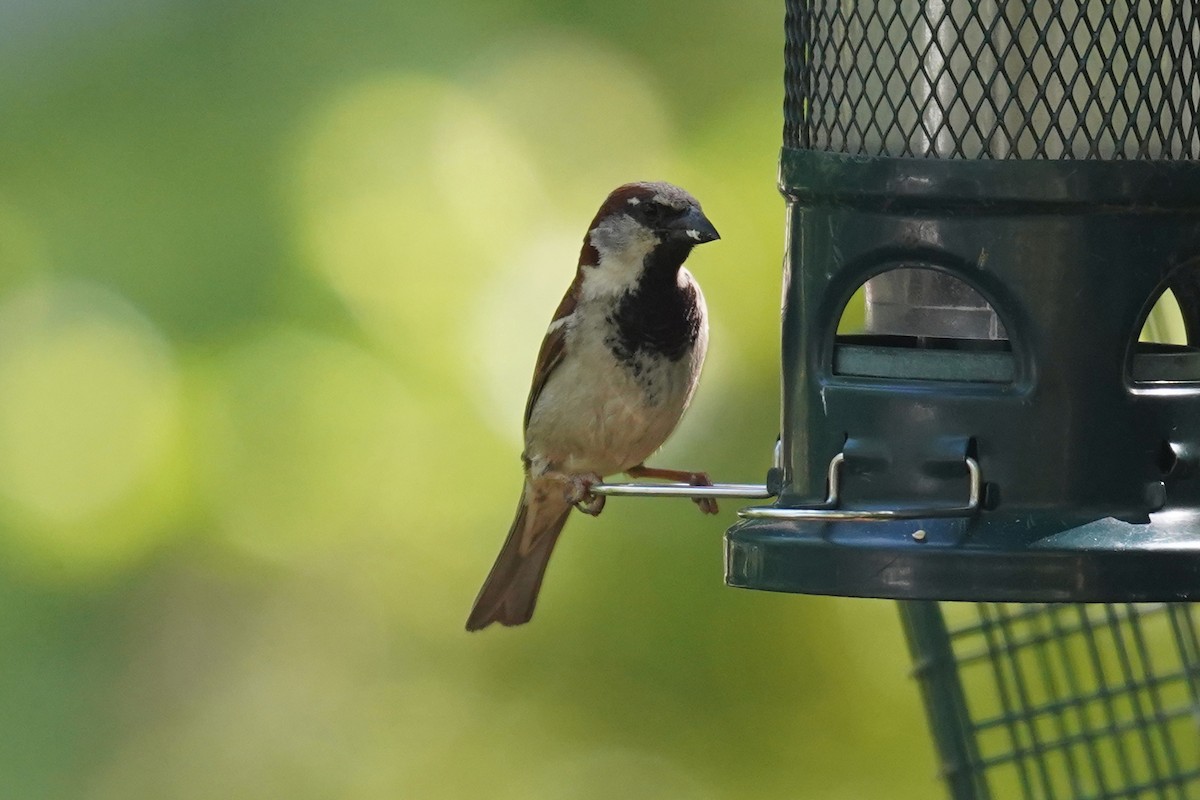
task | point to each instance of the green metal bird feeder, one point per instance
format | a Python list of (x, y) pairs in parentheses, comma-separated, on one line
[(1013, 185)]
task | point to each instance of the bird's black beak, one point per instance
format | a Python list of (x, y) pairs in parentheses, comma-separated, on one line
[(694, 228)]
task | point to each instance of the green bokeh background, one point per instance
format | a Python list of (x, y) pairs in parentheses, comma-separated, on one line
[(272, 279)]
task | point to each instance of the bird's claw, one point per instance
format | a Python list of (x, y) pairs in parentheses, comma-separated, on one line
[(707, 505), (580, 494), (591, 504)]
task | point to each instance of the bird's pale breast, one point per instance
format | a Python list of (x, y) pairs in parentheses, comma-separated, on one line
[(602, 414)]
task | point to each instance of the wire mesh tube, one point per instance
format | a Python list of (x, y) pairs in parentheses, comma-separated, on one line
[(964, 79), (1040, 79), (1055, 701)]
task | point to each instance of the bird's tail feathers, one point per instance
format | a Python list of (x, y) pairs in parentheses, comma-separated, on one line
[(510, 592)]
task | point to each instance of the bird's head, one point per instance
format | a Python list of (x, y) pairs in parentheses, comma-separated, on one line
[(645, 224)]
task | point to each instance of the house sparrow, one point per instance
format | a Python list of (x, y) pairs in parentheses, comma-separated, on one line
[(614, 374)]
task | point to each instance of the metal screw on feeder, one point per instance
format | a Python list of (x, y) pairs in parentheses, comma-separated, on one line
[(1015, 185)]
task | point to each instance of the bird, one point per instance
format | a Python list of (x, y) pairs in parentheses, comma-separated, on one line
[(617, 368)]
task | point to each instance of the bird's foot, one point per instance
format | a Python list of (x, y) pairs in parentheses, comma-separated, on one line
[(580, 495), (707, 505), (591, 504)]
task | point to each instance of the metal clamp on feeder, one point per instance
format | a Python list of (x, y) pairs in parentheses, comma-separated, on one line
[(830, 511)]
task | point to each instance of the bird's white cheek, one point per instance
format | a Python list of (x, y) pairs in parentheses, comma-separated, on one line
[(623, 252)]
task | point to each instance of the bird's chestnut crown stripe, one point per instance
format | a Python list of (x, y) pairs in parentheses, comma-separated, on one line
[(620, 199)]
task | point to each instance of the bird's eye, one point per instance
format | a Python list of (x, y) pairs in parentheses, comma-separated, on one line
[(655, 213)]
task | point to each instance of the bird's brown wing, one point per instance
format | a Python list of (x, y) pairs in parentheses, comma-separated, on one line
[(553, 346)]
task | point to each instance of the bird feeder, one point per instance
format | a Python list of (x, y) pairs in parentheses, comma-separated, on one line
[(1013, 186)]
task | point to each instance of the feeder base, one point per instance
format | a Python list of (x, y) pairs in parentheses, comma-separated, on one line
[(1034, 557)]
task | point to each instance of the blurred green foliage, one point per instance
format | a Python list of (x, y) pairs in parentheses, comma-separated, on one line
[(272, 279)]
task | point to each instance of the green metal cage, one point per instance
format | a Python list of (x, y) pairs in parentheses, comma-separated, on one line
[(1056, 701)]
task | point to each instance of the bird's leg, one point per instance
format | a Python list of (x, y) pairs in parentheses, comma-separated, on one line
[(708, 505), (579, 493)]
